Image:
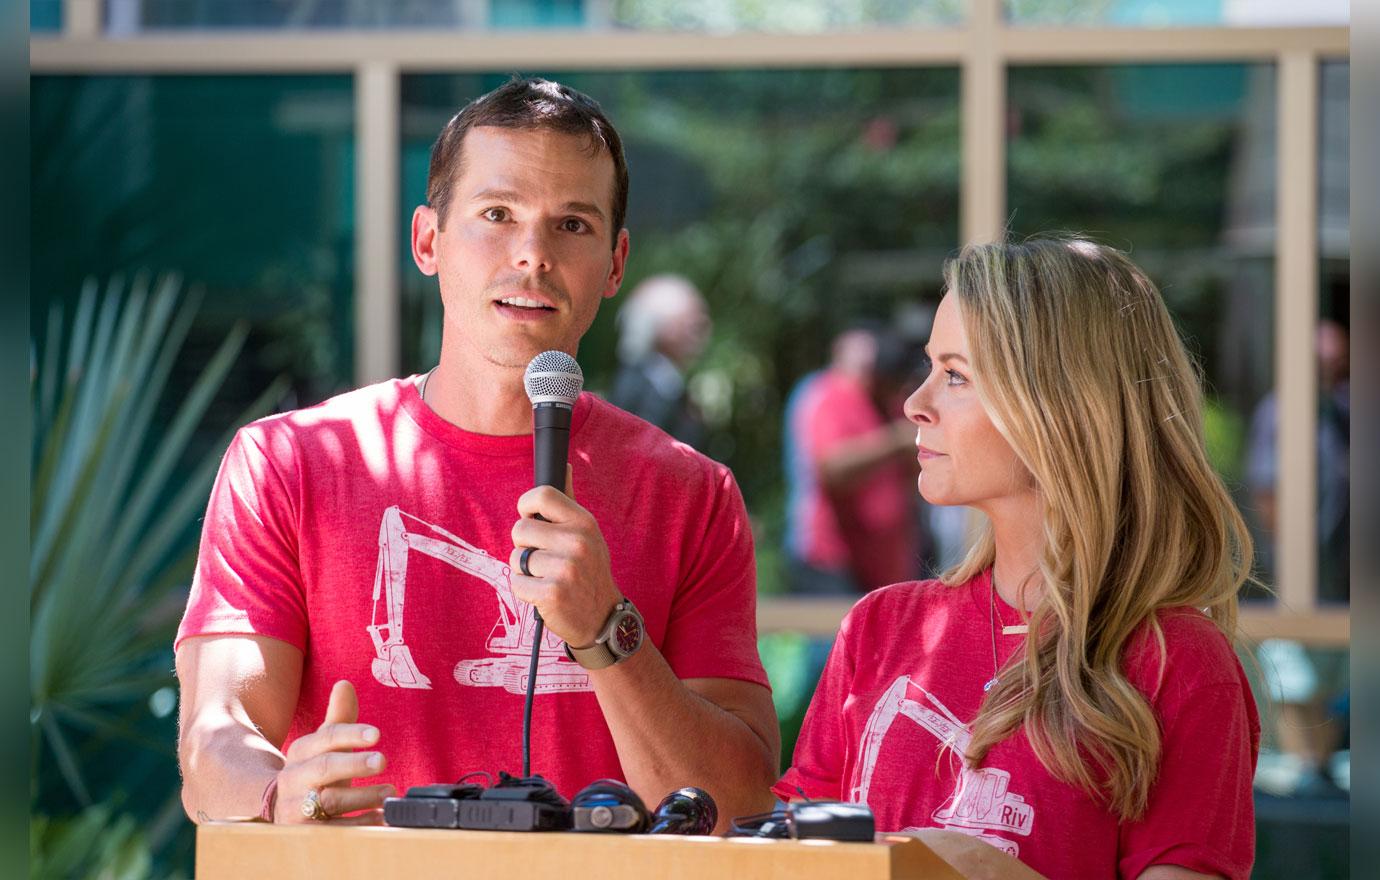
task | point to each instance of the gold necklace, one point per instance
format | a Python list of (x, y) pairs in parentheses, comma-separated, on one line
[(992, 631)]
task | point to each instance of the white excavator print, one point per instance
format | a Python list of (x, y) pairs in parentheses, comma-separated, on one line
[(981, 801), (510, 642)]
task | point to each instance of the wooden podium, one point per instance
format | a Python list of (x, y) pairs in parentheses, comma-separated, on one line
[(236, 851)]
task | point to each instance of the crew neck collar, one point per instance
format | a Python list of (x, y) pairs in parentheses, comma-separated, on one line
[(470, 441)]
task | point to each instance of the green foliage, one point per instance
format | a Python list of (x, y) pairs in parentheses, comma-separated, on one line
[(113, 510), (96, 843), (1224, 433)]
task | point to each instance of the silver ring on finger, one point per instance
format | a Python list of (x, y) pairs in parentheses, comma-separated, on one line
[(312, 808), (523, 559)]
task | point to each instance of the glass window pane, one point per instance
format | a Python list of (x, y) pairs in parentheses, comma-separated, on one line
[(1176, 165), (1303, 776), (807, 16), (796, 200), (1178, 13), (45, 16), (241, 184), (127, 16), (1334, 413)]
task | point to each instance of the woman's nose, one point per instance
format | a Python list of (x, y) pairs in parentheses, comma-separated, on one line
[(917, 407)]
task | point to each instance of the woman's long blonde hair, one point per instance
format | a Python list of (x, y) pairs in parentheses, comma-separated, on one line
[(1081, 369)]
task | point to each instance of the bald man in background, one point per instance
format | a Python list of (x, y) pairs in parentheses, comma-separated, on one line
[(663, 329)]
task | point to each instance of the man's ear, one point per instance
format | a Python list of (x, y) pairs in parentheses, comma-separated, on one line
[(424, 230), (619, 264)]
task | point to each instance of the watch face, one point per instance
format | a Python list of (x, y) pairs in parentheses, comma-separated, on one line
[(627, 634)]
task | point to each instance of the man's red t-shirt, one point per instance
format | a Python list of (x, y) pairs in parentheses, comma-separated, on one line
[(375, 536), (906, 676)]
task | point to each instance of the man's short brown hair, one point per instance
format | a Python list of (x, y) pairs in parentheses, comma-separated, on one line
[(524, 103)]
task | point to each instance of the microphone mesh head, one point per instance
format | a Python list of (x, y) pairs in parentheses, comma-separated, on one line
[(553, 377)]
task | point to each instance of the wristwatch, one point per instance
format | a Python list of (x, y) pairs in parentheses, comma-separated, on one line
[(622, 635)]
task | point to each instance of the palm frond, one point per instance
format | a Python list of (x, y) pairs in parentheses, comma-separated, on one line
[(113, 493)]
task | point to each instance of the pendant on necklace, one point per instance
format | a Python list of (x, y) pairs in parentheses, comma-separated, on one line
[(990, 684)]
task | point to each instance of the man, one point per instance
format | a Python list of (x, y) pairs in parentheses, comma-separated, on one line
[(304, 695), (1333, 351), (663, 329), (852, 516)]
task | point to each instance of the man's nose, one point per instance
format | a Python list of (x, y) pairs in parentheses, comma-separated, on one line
[(533, 251)]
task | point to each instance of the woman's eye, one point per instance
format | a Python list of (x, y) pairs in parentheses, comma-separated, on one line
[(497, 215), (955, 378)]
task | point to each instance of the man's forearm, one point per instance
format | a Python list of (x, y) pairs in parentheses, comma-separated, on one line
[(668, 737), (226, 766)]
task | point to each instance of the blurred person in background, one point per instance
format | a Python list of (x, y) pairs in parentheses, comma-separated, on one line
[(1333, 349), (663, 327), (1304, 683), (852, 518), (1066, 701)]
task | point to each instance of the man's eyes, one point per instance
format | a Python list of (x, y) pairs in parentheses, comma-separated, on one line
[(502, 215)]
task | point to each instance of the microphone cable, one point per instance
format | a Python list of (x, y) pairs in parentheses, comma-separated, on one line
[(531, 689)]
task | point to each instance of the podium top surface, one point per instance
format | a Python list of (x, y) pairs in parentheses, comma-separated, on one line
[(304, 852)]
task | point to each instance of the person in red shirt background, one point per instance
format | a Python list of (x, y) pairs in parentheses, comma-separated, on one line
[(852, 521), (1064, 702)]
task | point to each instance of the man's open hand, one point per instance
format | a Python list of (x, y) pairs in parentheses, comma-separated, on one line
[(326, 761)]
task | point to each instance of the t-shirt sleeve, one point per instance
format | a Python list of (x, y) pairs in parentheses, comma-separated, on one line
[(829, 417), (247, 579), (712, 628), (817, 766), (1201, 815)]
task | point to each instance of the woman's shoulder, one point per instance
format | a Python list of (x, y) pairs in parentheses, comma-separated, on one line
[(908, 599), (1181, 651)]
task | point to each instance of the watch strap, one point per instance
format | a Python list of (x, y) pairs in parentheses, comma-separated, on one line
[(601, 654), (597, 656)]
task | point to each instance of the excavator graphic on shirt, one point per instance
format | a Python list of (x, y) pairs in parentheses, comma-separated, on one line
[(510, 642), (982, 801)]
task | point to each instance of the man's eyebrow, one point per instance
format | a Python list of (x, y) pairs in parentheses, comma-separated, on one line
[(496, 195), (585, 208)]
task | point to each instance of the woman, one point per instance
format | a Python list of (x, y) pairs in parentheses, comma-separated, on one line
[(1068, 693)]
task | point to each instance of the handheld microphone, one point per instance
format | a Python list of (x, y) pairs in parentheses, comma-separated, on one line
[(553, 381), (688, 810)]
